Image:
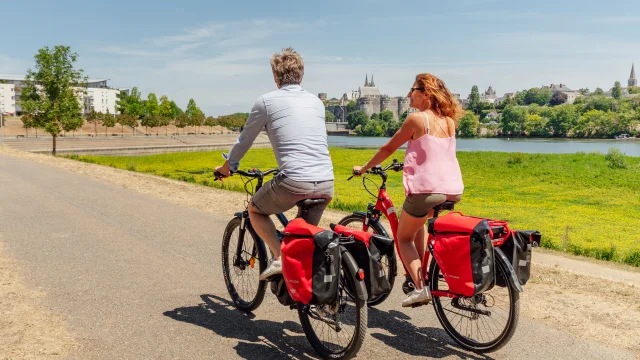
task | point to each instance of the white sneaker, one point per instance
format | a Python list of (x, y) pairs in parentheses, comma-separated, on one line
[(274, 269), (417, 297)]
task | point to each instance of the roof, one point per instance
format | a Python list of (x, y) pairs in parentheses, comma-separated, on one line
[(633, 72), (369, 91)]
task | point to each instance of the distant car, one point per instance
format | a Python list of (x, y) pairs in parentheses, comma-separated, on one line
[(625, 137)]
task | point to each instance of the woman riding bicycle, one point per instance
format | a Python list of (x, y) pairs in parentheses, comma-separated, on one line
[(431, 171)]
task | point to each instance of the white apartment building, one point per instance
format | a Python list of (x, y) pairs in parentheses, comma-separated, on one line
[(98, 94), (7, 99)]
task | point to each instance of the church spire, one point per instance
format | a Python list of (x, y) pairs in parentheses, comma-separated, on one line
[(366, 80), (632, 78), (372, 83)]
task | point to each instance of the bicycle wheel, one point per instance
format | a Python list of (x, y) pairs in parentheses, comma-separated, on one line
[(241, 275), (389, 262), (482, 323), (337, 331)]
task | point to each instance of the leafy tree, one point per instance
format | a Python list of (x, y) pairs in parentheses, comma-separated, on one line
[(562, 119), (149, 121), (130, 104), (165, 109), (558, 98), (50, 93), (371, 128), (164, 121), (386, 115), (509, 100), (356, 118), (589, 122), (598, 91), (599, 102), (404, 116), (151, 105), (536, 125), (126, 120), (537, 96), (94, 118), (197, 120), (616, 91), (329, 117), (192, 108), (175, 110), (633, 90), (469, 125), (584, 91), (210, 121), (181, 121), (351, 106), (474, 100), (520, 97), (513, 120), (108, 121)]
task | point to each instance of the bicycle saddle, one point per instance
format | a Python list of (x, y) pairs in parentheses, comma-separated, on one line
[(307, 203)]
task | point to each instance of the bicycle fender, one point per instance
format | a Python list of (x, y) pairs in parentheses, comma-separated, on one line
[(502, 258), (238, 215), (362, 294), (361, 213)]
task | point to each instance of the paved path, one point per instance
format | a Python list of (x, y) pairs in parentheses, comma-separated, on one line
[(139, 278)]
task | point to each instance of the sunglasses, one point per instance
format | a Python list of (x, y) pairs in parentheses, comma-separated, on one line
[(416, 88)]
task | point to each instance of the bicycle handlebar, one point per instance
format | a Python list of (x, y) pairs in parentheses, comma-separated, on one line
[(379, 170), (254, 173)]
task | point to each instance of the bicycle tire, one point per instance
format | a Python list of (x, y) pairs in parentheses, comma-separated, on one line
[(478, 347), (349, 273), (246, 305), (391, 261)]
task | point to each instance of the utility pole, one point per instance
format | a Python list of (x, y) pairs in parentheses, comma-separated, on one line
[(1, 128)]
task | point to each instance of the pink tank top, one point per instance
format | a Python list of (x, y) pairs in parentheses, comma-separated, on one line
[(431, 166)]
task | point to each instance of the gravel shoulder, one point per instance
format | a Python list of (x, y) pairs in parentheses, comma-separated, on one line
[(588, 299)]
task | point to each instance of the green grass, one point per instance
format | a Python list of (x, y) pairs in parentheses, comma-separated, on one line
[(579, 203)]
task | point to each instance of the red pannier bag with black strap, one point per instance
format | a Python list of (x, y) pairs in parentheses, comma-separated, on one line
[(310, 263), (367, 249), (464, 252)]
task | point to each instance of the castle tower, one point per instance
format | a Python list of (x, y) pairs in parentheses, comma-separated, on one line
[(366, 80), (632, 78), (372, 83)]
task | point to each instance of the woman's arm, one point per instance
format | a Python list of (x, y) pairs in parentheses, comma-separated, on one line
[(403, 135)]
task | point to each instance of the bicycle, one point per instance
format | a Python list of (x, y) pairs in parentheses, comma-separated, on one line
[(453, 311), (242, 248)]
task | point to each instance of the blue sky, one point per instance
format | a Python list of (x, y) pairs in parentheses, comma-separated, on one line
[(217, 52)]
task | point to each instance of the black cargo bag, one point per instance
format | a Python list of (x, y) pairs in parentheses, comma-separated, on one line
[(518, 248)]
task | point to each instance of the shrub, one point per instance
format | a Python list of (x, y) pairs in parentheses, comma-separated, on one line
[(515, 159), (616, 159)]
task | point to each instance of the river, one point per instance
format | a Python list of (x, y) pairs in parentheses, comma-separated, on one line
[(548, 146)]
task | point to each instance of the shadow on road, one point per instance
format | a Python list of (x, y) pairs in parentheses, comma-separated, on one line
[(264, 339), (412, 340), (258, 339)]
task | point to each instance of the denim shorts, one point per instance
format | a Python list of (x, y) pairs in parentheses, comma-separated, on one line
[(419, 205), (281, 194)]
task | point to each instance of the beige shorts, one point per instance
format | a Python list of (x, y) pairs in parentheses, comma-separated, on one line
[(419, 205), (281, 194)]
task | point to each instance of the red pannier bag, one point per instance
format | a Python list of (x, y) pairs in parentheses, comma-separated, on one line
[(310, 263), (464, 252), (367, 249)]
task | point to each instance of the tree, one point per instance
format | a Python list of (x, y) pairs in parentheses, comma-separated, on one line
[(175, 110), (151, 105), (584, 91), (633, 90), (371, 128), (558, 98), (126, 120), (474, 100), (329, 117), (356, 118), (164, 121), (192, 108), (520, 97), (164, 108), (562, 119), (130, 104), (404, 116), (210, 121), (181, 121), (513, 120), (536, 125), (537, 96), (616, 92), (386, 115), (469, 124), (27, 123), (351, 106), (198, 120), (95, 118), (598, 91), (108, 121), (50, 93)]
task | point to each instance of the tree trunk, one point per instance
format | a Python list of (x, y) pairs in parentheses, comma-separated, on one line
[(166, 130), (95, 125), (36, 133), (122, 130), (53, 152)]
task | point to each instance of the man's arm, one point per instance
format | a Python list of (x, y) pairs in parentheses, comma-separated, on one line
[(255, 123)]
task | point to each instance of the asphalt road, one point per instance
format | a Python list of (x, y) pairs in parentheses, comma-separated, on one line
[(140, 278)]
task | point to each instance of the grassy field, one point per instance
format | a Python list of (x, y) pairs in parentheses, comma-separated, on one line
[(578, 202)]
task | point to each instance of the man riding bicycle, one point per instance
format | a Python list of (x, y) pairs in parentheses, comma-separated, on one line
[(295, 123)]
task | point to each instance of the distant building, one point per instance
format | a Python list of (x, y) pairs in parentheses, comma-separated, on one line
[(572, 95), (7, 99), (98, 94), (489, 96), (322, 96), (632, 78), (369, 99)]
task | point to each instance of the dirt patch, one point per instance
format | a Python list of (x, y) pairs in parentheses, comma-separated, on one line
[(587, 307), (27, 330)]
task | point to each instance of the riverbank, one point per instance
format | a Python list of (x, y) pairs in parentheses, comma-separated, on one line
[(577, 201)]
